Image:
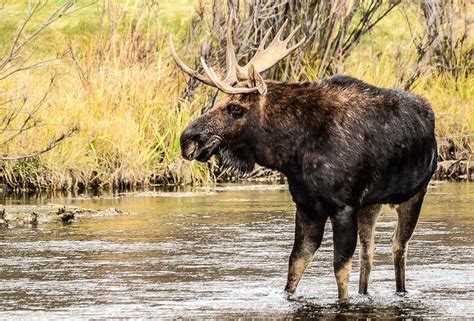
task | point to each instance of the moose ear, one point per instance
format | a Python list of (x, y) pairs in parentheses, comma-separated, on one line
[(256, 80)]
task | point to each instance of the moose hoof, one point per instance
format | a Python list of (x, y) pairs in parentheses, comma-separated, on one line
[(363, 292), (402, 294), (290, 291), (342, 303)]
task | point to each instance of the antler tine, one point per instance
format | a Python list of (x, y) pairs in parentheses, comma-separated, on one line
[(267, 57), (231, 59), (224, 87), (298, 44), (280, 31), (292, 34), (188, 70), (264, 40)]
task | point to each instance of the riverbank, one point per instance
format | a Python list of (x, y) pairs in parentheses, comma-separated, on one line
[(458, 170), (451, 170)]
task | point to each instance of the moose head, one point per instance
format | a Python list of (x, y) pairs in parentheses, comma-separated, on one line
[(226, 129)]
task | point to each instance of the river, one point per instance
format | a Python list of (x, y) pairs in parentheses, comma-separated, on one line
[(222, 252)]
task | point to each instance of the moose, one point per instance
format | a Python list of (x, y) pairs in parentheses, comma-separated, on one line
[(345, 147)]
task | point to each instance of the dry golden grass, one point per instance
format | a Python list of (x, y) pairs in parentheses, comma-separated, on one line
[(123, 94), (123, 91)]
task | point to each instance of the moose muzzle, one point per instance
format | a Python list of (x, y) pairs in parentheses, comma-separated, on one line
[(196, 144)]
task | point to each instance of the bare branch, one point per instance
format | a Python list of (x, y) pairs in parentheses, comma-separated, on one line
[(29, 122), (332, 28), (36, 65), (20, 116), (52, 144), (18, 45)]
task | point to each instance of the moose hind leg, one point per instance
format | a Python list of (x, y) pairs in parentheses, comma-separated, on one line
[(309, 232), (366, 219), (408, 214), (344, 225)]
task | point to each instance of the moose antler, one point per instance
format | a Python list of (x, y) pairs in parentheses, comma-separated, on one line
[(263, 59), (188, 70)]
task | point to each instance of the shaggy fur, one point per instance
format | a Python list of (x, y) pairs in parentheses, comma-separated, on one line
[(343, 145)]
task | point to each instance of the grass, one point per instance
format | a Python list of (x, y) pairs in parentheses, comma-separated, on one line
[(122, 89)]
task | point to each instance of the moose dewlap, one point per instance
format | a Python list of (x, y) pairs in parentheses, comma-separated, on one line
[(346, 147)]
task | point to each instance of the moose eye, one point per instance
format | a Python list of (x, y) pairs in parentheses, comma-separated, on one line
[(235, 110)]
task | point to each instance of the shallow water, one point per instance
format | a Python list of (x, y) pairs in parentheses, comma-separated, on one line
[(223, 252)]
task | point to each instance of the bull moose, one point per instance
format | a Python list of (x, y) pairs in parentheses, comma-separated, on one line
[(345, 147)]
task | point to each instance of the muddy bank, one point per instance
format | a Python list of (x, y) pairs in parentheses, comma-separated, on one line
[(448, 170), (33, 215), (455, 170)]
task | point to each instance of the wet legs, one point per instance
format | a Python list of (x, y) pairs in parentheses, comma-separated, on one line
[(366, 218), (308, 236), (408, 214), (344, 225)]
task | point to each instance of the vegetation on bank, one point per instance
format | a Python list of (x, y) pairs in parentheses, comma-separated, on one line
[(108, 73)]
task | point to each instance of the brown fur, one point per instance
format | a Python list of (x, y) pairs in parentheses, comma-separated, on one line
[(344, 146)]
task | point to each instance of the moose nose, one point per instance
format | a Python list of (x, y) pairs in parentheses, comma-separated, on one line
[(189, 140), (190, 134)]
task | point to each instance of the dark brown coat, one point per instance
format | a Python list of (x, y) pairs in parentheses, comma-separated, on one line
[(345, 146)]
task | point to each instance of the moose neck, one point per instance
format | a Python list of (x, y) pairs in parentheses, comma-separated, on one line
[(289, 114)]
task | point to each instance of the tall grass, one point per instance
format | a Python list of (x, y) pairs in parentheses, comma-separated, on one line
[(118, 84), (119, 87)]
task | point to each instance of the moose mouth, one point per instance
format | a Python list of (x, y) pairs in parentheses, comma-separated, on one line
[(203, 153)]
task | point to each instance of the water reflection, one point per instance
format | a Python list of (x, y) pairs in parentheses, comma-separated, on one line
[(223, 253)]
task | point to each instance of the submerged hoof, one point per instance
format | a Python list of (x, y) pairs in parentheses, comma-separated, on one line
[(295, 298), (402, 294), (343, 303)]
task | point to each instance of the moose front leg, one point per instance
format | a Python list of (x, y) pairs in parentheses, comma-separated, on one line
[(309, 230), (344, 226)]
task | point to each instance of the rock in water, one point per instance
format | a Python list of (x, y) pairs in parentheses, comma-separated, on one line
[(65, 216), (3, 221), (34, 219)]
